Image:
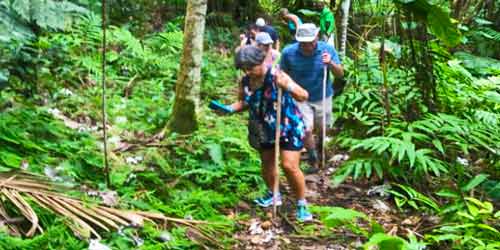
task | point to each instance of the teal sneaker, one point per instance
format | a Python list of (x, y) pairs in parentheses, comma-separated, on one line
[(303, 215), (267, 200)]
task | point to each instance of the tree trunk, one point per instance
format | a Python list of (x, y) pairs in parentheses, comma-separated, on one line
[(187, 91), (344, 6)]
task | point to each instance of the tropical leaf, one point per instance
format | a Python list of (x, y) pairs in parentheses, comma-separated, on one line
[(439, 22), (477, 180)]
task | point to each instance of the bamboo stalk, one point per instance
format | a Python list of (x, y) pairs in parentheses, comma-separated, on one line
[(77, 210), (31, 212), (111, 216), (79, 222), (125, 215), (24, 208), (107, 218)]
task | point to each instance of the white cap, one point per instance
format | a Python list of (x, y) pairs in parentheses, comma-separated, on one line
[(306, 32), (260, 22)]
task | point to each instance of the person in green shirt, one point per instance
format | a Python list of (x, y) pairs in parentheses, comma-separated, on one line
[(327, 23)]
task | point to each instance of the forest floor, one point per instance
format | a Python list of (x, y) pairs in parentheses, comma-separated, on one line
[(260, 231)]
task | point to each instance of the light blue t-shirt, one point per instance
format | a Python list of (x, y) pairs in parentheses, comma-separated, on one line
[(307, 71)]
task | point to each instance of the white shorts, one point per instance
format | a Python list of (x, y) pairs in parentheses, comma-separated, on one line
[(313, 113)]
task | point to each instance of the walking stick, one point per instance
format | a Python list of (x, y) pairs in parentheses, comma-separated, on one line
[(277, 152), (323, 120)]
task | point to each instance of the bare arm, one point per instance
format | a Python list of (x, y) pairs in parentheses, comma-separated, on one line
[(277, 45), (295, 20), (238, 106), (337, 69), (285, 82)]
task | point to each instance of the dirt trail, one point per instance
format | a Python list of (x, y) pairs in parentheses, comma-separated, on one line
[(259, 233)]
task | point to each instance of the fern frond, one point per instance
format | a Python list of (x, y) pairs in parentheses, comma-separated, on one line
[(490, 34)]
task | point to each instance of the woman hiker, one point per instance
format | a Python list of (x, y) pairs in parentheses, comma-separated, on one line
[(258, 93)]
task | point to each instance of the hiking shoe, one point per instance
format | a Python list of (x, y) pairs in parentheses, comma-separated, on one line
[(303, 215), (267, 200)]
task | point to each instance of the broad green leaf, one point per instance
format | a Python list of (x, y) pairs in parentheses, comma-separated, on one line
[(488, 227), (378, 169), (10, 159), (215, 152), (440, 24), (448, 193), (477, 180), (483, 206), (438, 145), (368, 169), (411, 154), (384, 241), (497, 214), (308, 13), (344, 172)]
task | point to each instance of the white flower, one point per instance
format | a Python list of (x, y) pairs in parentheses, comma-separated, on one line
[(121, 119), (463, 161), (96, 245)]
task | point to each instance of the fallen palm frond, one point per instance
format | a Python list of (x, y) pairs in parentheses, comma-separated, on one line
[(84, 219)]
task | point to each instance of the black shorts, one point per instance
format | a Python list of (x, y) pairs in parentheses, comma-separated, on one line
[(283, 146)]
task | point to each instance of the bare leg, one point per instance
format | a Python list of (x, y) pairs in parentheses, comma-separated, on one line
[(267, 170), (291, 161)]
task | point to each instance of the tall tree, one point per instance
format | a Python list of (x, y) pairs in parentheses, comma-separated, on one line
[(344, 6), (187, 91)]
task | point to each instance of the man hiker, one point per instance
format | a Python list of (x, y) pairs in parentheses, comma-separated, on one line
[(263, 27), (248, 38), (292, 21), (304, 62), (327, 24)]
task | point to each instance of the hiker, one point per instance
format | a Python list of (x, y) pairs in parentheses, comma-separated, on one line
[(292, 21), (304, 62), (263, 27), (258, 93), (327, 24), (265, 42), (248, 38)]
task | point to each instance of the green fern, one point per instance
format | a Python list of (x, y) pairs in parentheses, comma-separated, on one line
[(17, 15), (357, 168), (490, 34), (409, 196)]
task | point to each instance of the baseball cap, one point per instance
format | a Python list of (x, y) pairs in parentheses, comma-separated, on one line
[(263, 38), (260, 22), (306, 32)]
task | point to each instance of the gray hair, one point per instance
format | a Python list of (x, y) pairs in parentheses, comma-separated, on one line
[(283, 11), (248, 57)]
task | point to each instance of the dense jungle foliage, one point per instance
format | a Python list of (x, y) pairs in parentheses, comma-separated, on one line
[(419, 120)]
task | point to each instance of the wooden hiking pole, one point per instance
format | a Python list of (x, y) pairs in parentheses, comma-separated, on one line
[(277, 152), (323, 118)]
